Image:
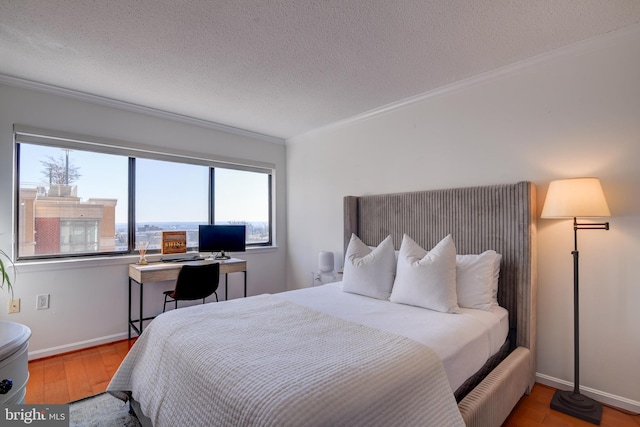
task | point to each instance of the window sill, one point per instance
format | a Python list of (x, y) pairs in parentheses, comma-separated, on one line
[(91, 262)]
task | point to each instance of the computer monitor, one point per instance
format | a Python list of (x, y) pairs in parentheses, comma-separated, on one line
[(222, 239)]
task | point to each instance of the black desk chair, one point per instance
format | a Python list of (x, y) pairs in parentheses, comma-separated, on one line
[(194, 282)]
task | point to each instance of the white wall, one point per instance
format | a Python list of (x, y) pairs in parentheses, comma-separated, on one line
[(575, 112), (88, 302)]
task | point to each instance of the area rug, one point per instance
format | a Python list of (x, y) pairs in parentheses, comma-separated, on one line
[(102, 410)]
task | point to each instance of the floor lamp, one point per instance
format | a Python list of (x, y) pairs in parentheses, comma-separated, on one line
[(577, 198)]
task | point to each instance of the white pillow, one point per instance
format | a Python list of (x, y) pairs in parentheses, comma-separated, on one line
[(369, 272), (496, 276), (474, 280), (426, 279)]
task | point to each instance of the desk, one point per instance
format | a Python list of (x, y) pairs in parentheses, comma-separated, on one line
[(160, 271)]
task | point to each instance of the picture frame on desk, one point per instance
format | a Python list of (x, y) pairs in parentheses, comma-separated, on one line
[(174, 242)]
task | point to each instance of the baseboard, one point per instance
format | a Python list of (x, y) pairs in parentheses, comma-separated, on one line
[(600, 396), (47, 352)]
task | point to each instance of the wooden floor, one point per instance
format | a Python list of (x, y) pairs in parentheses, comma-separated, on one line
[(534, 411), (72, 376), (83, 373)]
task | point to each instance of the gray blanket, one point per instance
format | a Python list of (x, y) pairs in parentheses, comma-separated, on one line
[(263, 361)]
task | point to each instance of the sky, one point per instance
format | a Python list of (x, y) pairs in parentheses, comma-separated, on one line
[(166, 191)]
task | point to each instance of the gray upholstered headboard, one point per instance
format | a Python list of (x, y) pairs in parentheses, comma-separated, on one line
[(499, 217)]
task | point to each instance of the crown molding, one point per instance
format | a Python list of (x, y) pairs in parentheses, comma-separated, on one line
[(135, 108), (576, 49)]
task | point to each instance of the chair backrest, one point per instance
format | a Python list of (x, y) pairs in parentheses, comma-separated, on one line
[(197, 281)]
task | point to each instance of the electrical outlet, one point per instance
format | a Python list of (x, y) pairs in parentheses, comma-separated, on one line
[(14, 305), (42, 302)]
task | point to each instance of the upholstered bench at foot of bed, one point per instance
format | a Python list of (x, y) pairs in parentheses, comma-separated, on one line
[(491, 402)]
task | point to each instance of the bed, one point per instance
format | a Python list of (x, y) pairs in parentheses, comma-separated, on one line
[(499, 217), (343, 359)]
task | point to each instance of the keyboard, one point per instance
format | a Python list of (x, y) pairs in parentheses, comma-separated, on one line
[(187, 259)]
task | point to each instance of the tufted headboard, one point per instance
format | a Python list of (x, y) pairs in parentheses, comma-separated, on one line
[(498, 217)]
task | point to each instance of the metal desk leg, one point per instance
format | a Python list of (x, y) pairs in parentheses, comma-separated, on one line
[(137, 324), (129, 321), (141, 299), (226, 281)]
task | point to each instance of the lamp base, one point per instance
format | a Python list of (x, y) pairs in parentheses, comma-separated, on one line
[(577, 405)]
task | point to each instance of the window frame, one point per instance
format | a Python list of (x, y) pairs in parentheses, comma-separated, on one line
[(29, 135)]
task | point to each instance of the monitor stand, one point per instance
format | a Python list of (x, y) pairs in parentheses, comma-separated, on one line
[(222, 255)]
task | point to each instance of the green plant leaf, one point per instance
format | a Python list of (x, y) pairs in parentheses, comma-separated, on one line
[(4, 274)]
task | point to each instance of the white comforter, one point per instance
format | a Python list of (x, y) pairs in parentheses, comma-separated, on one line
[(265, 361), (463, 341)]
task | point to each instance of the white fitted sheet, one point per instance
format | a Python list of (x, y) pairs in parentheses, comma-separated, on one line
[(464, 341)]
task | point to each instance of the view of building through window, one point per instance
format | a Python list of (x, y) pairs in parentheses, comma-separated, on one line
[(69, 201), (77, 202)]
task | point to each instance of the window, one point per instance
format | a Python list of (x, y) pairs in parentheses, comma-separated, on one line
[(87, 198), (170, 196), (242, 197), (79, 236), (68, 201)]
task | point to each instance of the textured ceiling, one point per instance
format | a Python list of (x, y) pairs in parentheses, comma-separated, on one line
[(284, 67)]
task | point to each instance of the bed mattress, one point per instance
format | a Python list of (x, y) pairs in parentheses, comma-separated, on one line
[(463, 341)]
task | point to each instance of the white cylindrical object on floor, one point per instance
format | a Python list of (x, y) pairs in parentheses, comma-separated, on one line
[(325, 261), (14, 364)]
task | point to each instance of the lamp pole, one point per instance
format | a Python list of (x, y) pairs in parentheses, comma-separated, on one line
[(572, 402), (576, 311)]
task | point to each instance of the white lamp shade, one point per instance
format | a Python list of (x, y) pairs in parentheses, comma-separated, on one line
[(575, 197), (325, 261)]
